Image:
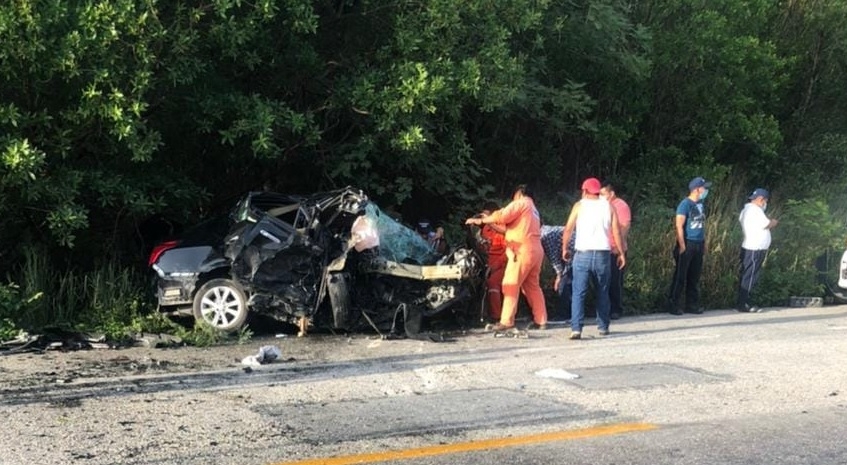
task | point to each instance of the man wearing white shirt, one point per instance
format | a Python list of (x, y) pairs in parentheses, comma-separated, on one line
[(757, 239)]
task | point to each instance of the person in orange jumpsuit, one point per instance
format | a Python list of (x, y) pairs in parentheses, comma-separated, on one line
[(524, 256), (494, 234)]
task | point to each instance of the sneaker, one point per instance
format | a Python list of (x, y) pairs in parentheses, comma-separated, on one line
[(575, 335), (748, 309), (534, 325), (603, 332)]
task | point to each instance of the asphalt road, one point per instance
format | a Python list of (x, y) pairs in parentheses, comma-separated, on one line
[(717, 388)]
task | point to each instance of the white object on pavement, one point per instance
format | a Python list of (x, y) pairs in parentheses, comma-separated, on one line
[(556, 373)]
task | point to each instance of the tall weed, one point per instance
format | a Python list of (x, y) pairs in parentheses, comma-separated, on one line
[(107, 299)]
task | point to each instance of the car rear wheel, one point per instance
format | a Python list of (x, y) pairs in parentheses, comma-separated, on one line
[(222, 304)]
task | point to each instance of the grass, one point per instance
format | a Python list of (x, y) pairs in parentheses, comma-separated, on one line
[(110, 299)]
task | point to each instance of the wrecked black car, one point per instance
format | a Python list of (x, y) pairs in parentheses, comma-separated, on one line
[(331, 260)]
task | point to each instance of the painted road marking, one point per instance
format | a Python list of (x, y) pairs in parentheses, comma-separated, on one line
[(487, 444)]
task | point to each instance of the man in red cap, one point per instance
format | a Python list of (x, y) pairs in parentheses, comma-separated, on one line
[(524, 255), (595, 221)]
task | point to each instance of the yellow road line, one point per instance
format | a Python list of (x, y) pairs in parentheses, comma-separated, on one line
[(497, 443)]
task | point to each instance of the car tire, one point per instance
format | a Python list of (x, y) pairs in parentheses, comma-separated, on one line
[(222, 304)]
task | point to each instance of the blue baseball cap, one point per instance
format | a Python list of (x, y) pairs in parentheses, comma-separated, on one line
[(697, 183), (759, 192)]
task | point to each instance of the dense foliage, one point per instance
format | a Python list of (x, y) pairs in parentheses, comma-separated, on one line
[(115, 114)]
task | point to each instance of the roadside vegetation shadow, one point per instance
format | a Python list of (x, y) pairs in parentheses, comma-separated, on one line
[(260, 325)]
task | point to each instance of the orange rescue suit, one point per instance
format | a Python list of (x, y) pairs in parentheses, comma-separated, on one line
[(524, 258), (496, 268)]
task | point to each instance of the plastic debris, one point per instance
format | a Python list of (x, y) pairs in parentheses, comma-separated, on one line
[(556, 373), (266, 354)]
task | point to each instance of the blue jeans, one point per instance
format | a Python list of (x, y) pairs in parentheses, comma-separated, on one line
[(590, 265)]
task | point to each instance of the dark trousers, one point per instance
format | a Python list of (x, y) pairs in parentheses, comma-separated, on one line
[(616, 285), (751, 267), (563, 307), (686, 275)]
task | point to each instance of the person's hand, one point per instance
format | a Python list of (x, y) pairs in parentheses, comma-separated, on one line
[(556, 282), (566, 255), (682, 248), (621, 261), (472, 221)]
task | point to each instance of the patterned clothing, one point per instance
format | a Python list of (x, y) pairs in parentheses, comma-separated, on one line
[(551, 241), (695, 219)]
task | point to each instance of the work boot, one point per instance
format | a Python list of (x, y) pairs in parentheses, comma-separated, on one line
[(499, 327), (537, 326)]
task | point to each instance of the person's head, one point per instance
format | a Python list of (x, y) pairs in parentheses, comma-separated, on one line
[(759, 197), (424, 227), (699, 188), (522, 190), (489, 207), (607, 191), (591, 188)]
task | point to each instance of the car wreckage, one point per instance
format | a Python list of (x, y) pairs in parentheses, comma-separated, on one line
[(330, 260)]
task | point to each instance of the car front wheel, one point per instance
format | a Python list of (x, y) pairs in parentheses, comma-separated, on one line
[(222, 304)]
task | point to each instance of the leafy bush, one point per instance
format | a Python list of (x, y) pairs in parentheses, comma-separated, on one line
[(12, 305), (807, 229)]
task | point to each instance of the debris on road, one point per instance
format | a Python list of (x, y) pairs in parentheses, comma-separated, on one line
[(556, 373), (53, 339), (266, 354)]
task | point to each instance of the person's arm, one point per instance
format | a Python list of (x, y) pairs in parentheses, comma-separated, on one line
[(569, 227), (769, 223), (616, 235), (503, 216), (679, 225), (497, 228), (624, 222)]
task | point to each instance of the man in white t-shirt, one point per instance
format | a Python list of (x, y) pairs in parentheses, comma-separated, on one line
[(595, 220), (757, 239)]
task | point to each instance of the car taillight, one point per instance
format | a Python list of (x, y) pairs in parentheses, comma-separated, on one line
[(159, 250)]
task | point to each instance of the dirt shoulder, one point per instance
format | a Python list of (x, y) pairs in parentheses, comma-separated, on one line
[(68, 366)]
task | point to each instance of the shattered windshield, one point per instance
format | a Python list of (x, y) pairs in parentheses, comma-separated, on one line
[(397, 242)]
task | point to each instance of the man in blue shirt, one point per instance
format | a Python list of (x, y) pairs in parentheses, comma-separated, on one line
[(690, 225)]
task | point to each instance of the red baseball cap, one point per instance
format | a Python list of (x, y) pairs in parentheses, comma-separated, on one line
[(591, 185)]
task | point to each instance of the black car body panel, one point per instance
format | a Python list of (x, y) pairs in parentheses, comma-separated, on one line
[(335, 259), (196, 257)]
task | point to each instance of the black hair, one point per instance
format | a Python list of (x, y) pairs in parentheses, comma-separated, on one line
[(524, 190), (490, 206), (610, 185)]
